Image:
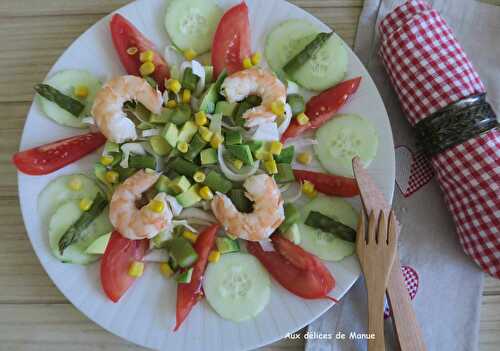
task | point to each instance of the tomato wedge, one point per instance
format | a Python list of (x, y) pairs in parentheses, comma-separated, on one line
[(48, 158), (321, 108), (295, 269), (231, 40), (329, 184), (116, 261), (188, 294), (125, 35)]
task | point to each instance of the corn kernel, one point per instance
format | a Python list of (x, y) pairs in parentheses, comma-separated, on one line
[(190, 54), (304, 157), (75, 184), (189, 235), (146, 56), (247, 62), (147, 68), (166, 270), (85, 204), (157, 206), (237, 164), (200, 118), (136, 269), (309, 190), (171, 104), (275, 147), (112, 176), (278, 108), (183, 147), (206, 193), (106, 160), (256, 58), (270, 166), (132, 50), (302, 118), (81, 91), (199, 177), (174, 86), (216, 140), (186, 96), (206, 134), (214, 256)]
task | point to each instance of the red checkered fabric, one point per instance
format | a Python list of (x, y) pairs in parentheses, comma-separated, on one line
[(411, 281), (429, 71)]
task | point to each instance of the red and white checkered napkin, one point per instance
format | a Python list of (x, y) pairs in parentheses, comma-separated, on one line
[(429, 70)]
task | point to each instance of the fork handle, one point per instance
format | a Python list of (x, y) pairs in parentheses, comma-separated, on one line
[(376, 318), (405, 322)]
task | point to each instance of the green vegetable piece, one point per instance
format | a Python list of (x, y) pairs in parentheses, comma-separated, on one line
[(328, 224), (254, 100), (163, 117), (307, 53), (162, 184), (142, 162), (209, 74), (197, 144), (72, 235), (226, 245), (292, 215), (233, 137), (171, 134), (183, 167), (242, 108), (179, 185), (238, 198), (159, 145), (187, 132), (226, 108), (65, 102), (285, 173), (296, 103), (110, 147), (181, 251), (181, 114), (293, 234), (100, 174), (124, 173), (98, 246), (255, 145), (138, 111), (208, 157), (161, 239), (286, 155), (217, 182), (241, 152), (185, 277), (211, 96), (190, 197), (189, 79)]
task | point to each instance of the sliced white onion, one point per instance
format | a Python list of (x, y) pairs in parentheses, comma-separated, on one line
[(265, 132), (193, 213), (292, 193), (127, 149), (266, 245), (174, 58), (150, 132), (184, 223), (175, 206), (156, 255), (292, 87), (243, 174), (88, 120), (286, 121), (216, 123)]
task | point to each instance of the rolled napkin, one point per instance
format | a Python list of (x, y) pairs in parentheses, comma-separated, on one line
[(444, 99)]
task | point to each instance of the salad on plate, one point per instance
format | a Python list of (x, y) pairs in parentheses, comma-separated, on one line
[(220, 170)]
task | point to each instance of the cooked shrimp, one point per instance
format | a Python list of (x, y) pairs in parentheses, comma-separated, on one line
[(255, 81), (108, 112), (267, 213), (132, 222)]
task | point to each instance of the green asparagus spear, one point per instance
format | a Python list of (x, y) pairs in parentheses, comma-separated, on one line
[(74, 232), (307, 53), (66, 102), (327, 224)]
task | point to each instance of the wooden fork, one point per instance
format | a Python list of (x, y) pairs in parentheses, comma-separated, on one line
[(376, 250)]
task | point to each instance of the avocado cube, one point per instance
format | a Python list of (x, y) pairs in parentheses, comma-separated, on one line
[(241, 152), (189, 197), (226, 108), (162, 184), (170, 133), (180, 114), (208, 156), (217, 182), (163, 117), (285, 173), (286, 155), (179, 185), (187, 132), (233, 137)]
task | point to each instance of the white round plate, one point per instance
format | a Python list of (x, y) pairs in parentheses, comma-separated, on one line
[(146, 314)]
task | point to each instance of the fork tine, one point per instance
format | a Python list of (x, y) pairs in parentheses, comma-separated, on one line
[(392, 234), (382, 228), (361, 233), (372, 228)]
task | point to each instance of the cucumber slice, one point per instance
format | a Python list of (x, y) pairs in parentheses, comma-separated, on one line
[(341, 139), (58, 192), (63, 218), (325, 245), (65, 82), (326, 68), (237, 287), (192, 24), (286, 40)]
